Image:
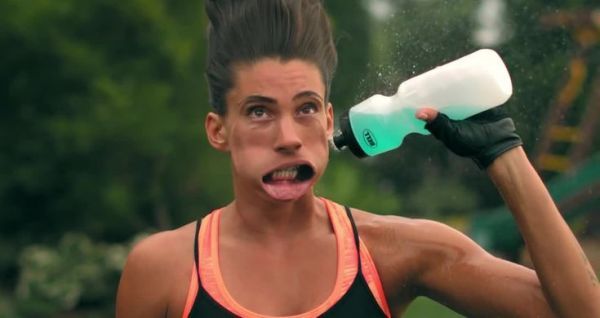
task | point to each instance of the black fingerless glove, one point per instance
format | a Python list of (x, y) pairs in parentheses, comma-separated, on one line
[(482, 137)]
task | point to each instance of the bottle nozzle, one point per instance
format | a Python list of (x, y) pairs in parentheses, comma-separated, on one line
[(338, 141), (344, 138)]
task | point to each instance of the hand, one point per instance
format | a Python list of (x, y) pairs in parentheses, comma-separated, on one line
[(483, 137)]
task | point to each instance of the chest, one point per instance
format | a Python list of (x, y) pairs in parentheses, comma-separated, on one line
[(280, 281)]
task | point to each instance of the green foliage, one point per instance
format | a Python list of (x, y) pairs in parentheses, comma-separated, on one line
[(344, 183), (7, 307), (351, 32), (437, 197), (106, 98), (425, 307), (101, 107), (75, 272), (101, 111)]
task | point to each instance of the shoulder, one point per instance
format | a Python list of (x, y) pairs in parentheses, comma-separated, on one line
[(397, 230), (405, 249), (158, 268), (164, 247)]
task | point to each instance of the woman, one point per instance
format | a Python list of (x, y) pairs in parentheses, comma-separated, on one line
[(277, 250)]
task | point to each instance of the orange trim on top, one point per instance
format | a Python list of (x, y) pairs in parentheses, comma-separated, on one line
[(209, 263), (346, 272), (212, 280), (372, 277)]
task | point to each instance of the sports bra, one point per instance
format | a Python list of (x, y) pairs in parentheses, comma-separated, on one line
[(357, 293)]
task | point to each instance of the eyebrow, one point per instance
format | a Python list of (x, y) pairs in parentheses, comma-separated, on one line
[(259, 98), (308, 94), (269, 100)]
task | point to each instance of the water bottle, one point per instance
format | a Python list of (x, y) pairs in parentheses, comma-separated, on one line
[(459, 89)]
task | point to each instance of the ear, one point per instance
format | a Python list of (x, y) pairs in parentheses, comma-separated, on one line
[(330, 120), (216, 131)]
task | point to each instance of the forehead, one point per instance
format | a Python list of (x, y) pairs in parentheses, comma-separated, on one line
[(280, 80)]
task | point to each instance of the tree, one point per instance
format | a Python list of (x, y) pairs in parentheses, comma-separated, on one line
[(101, 117)]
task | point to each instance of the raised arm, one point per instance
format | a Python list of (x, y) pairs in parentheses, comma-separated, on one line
[(457, 272), (567, 279)]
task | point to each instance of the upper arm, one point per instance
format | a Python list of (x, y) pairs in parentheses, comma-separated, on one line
[(142, 286), (459, 273)]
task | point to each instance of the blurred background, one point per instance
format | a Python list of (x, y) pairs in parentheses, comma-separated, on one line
[(102, 104)]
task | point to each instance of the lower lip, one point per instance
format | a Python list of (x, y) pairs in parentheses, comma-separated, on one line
[(286, 190)]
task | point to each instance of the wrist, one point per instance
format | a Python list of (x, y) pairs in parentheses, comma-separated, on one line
[(507, 161), (485, 159), (512, 172)]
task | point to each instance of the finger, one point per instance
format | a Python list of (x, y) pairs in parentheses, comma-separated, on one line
[(426, 114)]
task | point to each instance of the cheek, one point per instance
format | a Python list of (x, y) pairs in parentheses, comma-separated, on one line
[(246, 144), (316, 130), (317, 145), (246, 138), (315, 138)]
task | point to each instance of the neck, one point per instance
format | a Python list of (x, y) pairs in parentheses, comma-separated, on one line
[(263, 219)]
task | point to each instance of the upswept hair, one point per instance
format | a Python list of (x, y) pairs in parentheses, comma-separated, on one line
[(246, 31)]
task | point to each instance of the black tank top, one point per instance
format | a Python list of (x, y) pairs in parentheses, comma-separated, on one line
[(357, 302)]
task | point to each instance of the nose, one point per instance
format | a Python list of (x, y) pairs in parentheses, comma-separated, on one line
[(288, 139)]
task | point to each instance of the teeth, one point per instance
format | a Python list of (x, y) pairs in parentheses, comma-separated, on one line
[(285, 174)]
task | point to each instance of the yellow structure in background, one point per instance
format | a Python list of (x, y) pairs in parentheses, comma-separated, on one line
[(567, 137)]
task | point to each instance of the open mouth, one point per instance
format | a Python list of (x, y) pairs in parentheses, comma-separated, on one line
[(297, 173)]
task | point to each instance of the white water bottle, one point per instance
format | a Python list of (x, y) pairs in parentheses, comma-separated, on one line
[(459, 89)]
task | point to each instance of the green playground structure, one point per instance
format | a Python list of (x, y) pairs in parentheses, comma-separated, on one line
[(576, 192)]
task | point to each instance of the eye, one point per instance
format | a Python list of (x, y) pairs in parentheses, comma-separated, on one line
[(257, 112), (308, 109)]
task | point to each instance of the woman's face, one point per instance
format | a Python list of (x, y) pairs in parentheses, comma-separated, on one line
[(276, 128)]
